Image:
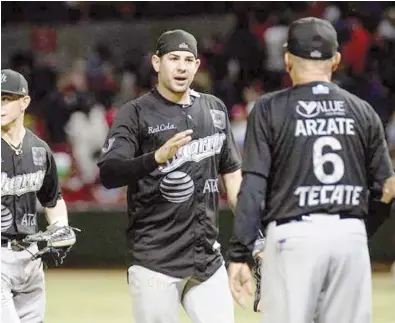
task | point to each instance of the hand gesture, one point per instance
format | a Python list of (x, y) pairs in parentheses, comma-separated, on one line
[(171, 146), (240, 281)]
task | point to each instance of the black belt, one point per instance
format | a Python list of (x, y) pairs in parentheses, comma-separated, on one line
[(15, 244), (301, 218), (4, 243)]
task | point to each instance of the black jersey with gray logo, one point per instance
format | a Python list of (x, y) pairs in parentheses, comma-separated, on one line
[(27, 174), (173, 209), (320, 148)]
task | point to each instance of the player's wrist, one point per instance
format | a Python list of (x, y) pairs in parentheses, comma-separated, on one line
[(150, 160), (238, 256), (58, 223), (158, 158)]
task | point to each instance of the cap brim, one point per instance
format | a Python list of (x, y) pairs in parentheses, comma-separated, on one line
[(12, 92)]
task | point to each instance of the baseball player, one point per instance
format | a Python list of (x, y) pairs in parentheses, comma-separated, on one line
[(168, 147), (316, 161), (28, 173)]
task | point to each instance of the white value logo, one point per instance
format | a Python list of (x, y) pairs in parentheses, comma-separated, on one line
[(311, 109)]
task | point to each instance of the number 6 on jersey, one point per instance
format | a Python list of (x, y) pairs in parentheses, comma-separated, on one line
[(320, 159)]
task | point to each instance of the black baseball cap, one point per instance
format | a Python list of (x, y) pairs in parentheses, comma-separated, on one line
[(176, 40), (312, 38), (13, 83)]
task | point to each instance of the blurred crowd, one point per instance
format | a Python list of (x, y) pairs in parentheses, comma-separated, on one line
[(73, 110)]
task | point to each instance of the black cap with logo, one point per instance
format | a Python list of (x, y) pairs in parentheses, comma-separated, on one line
[(176, 40), (312, 38), (13, 83)]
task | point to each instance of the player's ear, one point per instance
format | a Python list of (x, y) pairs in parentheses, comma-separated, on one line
[(155, 61), (336, 61), (25, 102), (287, 61), (197, 64)]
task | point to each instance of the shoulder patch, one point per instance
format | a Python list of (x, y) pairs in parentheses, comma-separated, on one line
[(219, 118), (39, 156)]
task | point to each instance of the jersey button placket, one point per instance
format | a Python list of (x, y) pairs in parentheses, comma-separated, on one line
[(189, 120), (200, 257)]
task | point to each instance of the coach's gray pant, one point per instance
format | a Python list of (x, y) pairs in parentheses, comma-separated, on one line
[(22, 286), (317, 270), (156, 297)]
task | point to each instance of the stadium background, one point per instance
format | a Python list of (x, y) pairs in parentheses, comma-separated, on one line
[(83, 60)]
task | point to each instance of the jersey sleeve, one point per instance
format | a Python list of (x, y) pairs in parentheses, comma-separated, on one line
[(252, 195), (257, 157), (379, 163), (50, 192), (120, 162), (230, 155)]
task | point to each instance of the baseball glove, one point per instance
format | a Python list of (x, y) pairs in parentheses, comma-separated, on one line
[(257, 254), (58, 241)]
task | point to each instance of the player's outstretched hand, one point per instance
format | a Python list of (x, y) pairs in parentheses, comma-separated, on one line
[(171, 146), (388, 190), (240, 281)]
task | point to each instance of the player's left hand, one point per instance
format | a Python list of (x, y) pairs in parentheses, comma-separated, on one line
[(52, 256), (240, 282), (58, 242)]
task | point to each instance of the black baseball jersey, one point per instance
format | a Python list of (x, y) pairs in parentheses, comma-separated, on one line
[(26, 175), (318, 148), (172, 207)]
